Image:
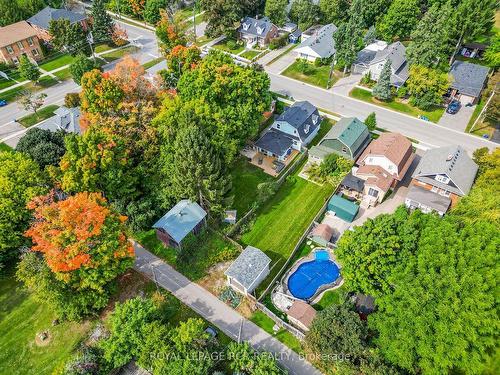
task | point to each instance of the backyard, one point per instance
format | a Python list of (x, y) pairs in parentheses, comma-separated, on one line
[(267, 324), (395, 104), (310, 73)]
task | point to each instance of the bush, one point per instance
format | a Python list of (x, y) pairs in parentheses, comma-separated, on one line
[(266, 190), (232, 45), (317, 62), (279, 42), (366, 79), (72, 100), (402, 92)]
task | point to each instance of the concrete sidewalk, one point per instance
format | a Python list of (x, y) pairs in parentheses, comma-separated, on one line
[(218, 313)]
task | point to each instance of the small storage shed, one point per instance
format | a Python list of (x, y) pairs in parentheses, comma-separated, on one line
[(343, 208), (248, 270), (322, 234), (301, 315)]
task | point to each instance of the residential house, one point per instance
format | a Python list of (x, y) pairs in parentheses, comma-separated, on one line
[(343, 208), (248, 270), (184, 218), (347, 138), (67, 119), (373, 58), (293, 129), (19, 39), (383, 164), (443, 176), (41, 21), (257, 31), (468, 81), (301, 315), (317, 43)]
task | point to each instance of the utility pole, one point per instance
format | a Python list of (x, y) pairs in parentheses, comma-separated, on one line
[(154, 276), (483, 110), (194, 22)]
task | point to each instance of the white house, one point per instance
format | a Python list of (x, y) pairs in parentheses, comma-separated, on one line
[(317, 42), (248, 270)]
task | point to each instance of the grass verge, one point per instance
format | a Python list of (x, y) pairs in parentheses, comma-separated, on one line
[(5, 147), (250, 54), (43, 114), (152, 63), (119, 53), (282, 54)]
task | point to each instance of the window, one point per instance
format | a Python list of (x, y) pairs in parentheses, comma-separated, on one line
[(278, 126), (34, 52), (344, 150), (30, 41), (391, 167), (442, 179), (444, 193), (373, 192), (10, 50), (434, 189), (20, 45)]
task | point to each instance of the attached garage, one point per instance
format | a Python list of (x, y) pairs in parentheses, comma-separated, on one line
[(343, 208)]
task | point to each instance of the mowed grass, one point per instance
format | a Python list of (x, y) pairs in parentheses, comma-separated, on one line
[(330, 297), (5, 147), (283, 219), (245, 178), (314, 75), (57, 62), (250, 54), (434, 115), (21, 318), (267, 324)]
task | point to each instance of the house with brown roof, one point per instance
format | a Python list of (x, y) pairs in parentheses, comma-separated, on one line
[(383, 164), (19, 39), (301, 315)]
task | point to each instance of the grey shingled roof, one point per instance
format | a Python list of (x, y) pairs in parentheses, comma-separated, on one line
[(67, 119), (396, 52), (321, 43), (428, 198), (451, 161), (248, 266), (468, 79), (252, 26), (353, 182), (181, 219), (47, 14), (275, 142), (299, 115)]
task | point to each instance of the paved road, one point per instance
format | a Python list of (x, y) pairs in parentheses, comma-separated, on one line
[(217, 312)]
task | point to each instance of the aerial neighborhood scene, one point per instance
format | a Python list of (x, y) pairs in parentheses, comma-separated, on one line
[(249, 187)]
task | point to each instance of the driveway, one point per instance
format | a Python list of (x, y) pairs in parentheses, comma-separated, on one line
[(282, 63), (344, 85), (217, 312), (459, 120)]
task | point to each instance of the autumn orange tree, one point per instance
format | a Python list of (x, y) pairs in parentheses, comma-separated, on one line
[(170, 31), (83, 247)]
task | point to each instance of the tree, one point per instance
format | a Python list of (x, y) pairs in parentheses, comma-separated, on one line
[(170, 32), (276, 11), (197, 172), (72, 100), (43, 146), (102, 23), (382, 89), (371, 122), (334, 11), (492, 53), (20, 181), (100, 94), (81, 65), (426, 86), (348, 41), (153, 8), (67, 36), (431, 41), (369, 10), (31, 102), (304, 13), (221, 16), (27, 70), (243, 359), (400, 20)]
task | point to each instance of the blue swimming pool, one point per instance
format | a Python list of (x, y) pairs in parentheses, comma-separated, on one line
[(310, 276)]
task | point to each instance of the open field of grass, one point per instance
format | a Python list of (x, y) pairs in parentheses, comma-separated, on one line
[(396, 105), (21, 318), (43, 114), (267, 324), (245, 177), (57, 61), (314, 75)]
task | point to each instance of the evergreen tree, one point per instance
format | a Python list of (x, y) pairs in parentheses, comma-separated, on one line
[(348, 40), (382, 89), (400, 20), (304, 13), (27, 70), (43, 146), (197, 172), (102, 25), (276, 11), (334, 11), (371, 121)]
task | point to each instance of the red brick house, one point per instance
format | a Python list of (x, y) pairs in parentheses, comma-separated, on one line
[(19, 39)]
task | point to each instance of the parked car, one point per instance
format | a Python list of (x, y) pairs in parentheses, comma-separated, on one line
[(453, 107), (3, 103), (422, 117)]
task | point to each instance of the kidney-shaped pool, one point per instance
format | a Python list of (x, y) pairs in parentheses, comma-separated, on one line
[(310, 276)]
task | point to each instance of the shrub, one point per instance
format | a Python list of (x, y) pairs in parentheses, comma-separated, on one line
[(279, 42), (366, 79), (72, 100), (231, 44), (317, 62)]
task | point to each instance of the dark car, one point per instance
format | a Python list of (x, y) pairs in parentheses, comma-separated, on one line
[(3, 103), (453, 107)]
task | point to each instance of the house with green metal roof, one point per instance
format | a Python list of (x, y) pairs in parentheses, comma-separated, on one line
[(347, 138), (343, 208)]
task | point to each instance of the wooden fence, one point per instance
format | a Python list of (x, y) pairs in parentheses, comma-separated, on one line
[(279, 322)]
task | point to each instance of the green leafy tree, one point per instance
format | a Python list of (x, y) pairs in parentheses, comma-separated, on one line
[(27, 70), (334, 11), (492, 53), (305, 13), (152, 10), (43, 146), (382, 89), (31, 102), (370, 10), (348, 41), (431, 41), (400, 20), (371, 122), (100, 93), (243, 359), (102, 23), (170, 32), (20, 181), (67, 36), (81, 65), (276, 11), (222, 16), (72, 100), (426, 86)]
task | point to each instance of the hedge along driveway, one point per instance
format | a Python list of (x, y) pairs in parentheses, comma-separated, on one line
[(283, 219)]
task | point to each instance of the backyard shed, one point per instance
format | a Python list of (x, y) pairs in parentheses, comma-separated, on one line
[(343, 208), (248, 270), (301, 315), (322, 234)]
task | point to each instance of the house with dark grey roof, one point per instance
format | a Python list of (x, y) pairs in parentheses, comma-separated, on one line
[(184, 218), (446, 172), (468, 81), (66, 119), (347, 138), (257, 31), (41, 21), (248, 270), (292, 130), (318, 44), (374, 56)]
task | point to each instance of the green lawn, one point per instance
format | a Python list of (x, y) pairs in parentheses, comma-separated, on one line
[(245, 177), (250, 54), (118, 54), (102, 48), (223, 46), (314, 75), (267, 324), (57, 61), (11, 95), (63, 74), (285, 52), (330, 297), (43, 114), (282, 220), (5, 147), (433, 115), (153, 62), (484, 126), (21, 318), (211, 249)]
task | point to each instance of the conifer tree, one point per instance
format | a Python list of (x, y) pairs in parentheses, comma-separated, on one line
[(382, 89)]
